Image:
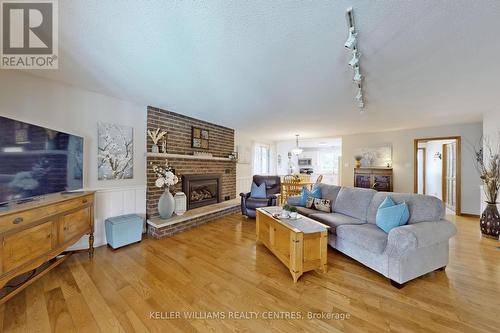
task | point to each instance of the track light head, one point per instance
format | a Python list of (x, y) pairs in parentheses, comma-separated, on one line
[(355, 58), (359, 96), (352, 39), (357, 75)]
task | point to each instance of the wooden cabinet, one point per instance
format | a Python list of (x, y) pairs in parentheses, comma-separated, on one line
[(380, 179), (34, 233)]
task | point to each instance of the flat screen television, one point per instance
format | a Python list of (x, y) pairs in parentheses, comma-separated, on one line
[(35, 161)]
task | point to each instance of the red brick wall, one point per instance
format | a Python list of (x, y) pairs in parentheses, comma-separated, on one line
[(179, 142)]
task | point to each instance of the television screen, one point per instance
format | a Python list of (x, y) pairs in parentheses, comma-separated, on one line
[(35, 161)]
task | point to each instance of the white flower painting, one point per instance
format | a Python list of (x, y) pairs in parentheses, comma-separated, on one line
[(115, 151)]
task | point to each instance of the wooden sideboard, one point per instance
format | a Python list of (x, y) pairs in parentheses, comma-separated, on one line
[(380, 179), (35, 233)]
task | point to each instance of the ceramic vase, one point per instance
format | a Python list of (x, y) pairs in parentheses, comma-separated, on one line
[(490, 221), (166, 205), (155, 149)]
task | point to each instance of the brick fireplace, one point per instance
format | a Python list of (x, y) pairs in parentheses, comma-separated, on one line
[(221, 145), (202, 190)]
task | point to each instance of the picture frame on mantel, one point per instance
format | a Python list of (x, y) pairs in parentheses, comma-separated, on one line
[(200, 138)]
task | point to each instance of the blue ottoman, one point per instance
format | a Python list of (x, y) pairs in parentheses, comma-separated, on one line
[(123, 230)]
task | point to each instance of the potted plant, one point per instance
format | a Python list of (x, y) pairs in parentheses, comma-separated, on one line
[(487, 162), (156, 136), (285, 212), (358, 159), (166, 178), (293, 212)]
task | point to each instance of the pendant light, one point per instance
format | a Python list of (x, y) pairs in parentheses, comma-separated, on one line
[(297, 150)]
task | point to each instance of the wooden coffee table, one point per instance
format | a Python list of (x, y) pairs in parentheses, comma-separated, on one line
[(300, 244)]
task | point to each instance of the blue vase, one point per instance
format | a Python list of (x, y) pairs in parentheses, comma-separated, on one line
[(166, 205)]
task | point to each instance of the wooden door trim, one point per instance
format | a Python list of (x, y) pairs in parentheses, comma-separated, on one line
[(424, 160), (458, 140)]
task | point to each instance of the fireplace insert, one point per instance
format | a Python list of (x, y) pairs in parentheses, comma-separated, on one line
[(202, 190)]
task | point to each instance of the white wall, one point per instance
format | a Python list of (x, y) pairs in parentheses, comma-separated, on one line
[(67, 108), (402, 144), (434, 169), (491, 131)]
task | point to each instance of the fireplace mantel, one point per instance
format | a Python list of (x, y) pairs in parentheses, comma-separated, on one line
[(191, 157)]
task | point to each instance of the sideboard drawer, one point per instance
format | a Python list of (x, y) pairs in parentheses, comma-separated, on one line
[(15, 221), (26, 245), (75, 203), (75, 224)]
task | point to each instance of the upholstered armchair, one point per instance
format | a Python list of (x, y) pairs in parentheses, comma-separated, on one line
[(273, 188)]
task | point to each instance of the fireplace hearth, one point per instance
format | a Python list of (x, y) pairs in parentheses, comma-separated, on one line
[(202, 190)]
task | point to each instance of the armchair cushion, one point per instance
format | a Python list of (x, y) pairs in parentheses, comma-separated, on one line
[(258, 191), (254, 203), (414, 236)]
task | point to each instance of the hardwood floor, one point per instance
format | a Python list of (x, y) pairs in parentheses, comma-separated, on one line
[(217, 268)]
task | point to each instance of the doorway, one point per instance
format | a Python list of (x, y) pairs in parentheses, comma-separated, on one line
[(437, 170)]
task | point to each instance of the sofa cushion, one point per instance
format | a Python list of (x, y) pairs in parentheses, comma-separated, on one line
[(323, 205), (310, 202), (254, 203), (391, 217), (367, 236), (315, 193), (354, 202), (306, 211), (329, 192), (334, 219), (423, 208)]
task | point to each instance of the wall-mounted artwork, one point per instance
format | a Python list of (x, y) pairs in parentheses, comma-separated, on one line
[(115, 151), (380, 156), (199, 138)]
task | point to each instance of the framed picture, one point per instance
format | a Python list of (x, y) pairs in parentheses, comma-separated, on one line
[(200, 138)]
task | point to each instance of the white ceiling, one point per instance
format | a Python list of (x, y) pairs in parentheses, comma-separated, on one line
[(276, 68)]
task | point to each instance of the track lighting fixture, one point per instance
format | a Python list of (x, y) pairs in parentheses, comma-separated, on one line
[(352, 44), (359, 95), (352, 39), (357, 75), (355, 58)]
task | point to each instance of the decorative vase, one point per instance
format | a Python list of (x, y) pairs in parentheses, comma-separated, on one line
[(357, 164), (180, 203), (490, 221), (155, 149), (166, 205)]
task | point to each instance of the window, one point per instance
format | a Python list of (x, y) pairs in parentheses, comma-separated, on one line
[(327, 163), (261, 160)]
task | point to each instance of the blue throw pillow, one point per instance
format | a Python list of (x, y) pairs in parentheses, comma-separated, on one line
[(315, 193), (392, 216), (258, 192), (388, 202)]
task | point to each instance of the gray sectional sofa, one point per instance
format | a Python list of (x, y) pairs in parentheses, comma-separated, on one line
[(403, 254)]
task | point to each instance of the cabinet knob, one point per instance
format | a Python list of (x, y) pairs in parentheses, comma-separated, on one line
[(18, 220), (49, 235), (85, 201)]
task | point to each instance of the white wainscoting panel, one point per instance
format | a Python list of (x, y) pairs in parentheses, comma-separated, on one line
[(113, 202), (243, 184)]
